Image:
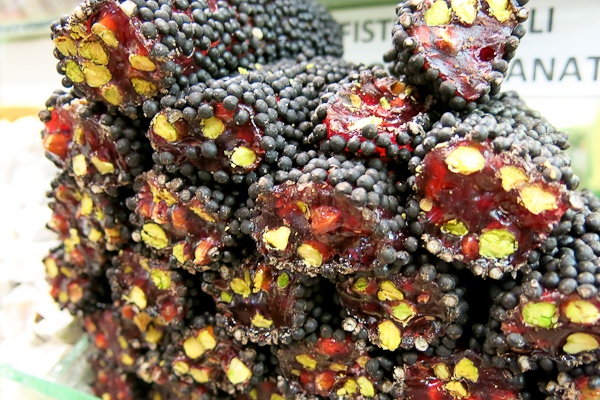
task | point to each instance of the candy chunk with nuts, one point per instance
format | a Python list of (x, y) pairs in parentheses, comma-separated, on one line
[(401, 308), (263, 301), (462, 45), (238, 372), (517, 206)]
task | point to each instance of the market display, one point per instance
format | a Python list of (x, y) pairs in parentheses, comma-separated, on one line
[(244, 214)]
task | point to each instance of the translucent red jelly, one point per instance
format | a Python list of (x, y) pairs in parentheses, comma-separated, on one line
[(454, 378), (563, 316), (259, 299), (468, 211), (146, 283), (170, 227), (463, 53), (326, 229), (414, 308), (329, 367), (384, 102), (238, 147)]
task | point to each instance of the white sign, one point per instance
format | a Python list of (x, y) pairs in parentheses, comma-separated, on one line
[(558, 57)]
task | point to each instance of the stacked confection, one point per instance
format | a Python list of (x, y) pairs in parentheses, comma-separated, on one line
[(245, 215)]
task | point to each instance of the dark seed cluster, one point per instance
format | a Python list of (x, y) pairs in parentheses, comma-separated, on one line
[(245, 215), (171, 45)]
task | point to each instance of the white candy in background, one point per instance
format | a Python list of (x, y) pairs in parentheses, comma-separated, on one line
[(25, 176)]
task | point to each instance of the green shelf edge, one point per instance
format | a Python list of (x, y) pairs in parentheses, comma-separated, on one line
[(48, 387)]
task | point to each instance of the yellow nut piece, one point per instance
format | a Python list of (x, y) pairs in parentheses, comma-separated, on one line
[(127, 360), (162, 279), (582, 312), (179, 253), (350, 387), (366, 387), (87, 205), (360, 285), (202, 214), (142, 63), (512, 177), (275, 396), (261, 322), (465, 10), (106, 396), (96, 75), (63, 297), (105, 34), (122, 342), (66, 46), (355, 100), (258, 281), (283, 280), (388, 291), (278, 238), (240, 287), (226, 297), (542, 314), (441, 371), (212, 127), (143, 87), (79, 165), (200, 375), (361, 123), (193, 348), (73, 72), (458, 390), (112, 94), (537, 200), (51, 268), (304, 208), (464, 160), (465, 369), (310, 255), (154, 236), (497, 243), (500, 9), (93, 51), (579, 342), (163, 128), (104, 167), (238, 372), (425, 204), (243, 157), (438, 14), (338, 367), (137, 297), (307, 361), (181, 368), (95, 235), (153, 336), (142, 320), (207, 339), (389, 335), (455, 227), (403, 312)]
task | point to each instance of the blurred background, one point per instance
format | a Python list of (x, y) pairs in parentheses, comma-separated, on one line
[(557, 70)]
